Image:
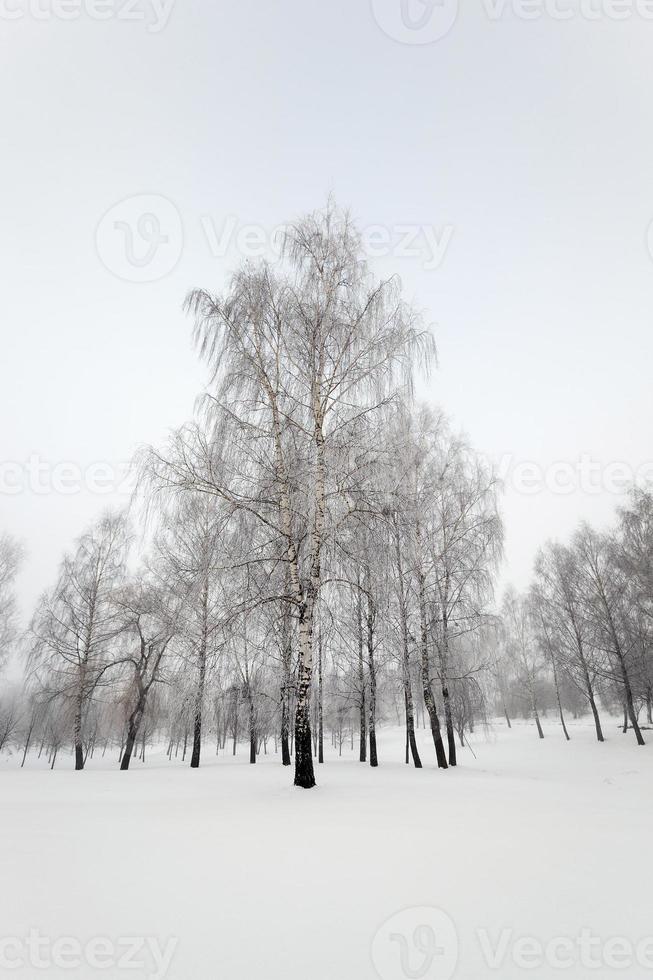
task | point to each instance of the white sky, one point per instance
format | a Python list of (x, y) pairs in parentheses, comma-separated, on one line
[(530, 139)]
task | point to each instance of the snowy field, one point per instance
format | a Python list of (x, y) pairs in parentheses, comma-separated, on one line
[(536, 853)]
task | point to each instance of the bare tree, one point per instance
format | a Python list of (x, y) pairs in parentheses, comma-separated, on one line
[(11, 559), (608, 608), (522, 647), (74, 629), (150, 612), (297, 356), (459, 535), (558, 590)]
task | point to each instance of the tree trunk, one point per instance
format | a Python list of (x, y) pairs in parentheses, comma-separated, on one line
[(448, 717), (443, 658), (410, 724), (362, 743), (77, 734), (372, 673), (320, 706), (429, 699), (129, 748), (630, 705), (403, 616), (132, 732), (285, 728), (252, 726), (304, 772), (27, 744), (557, 689), (536, 716), (286, 680), (235, 720), (597, 720), (628, 693), (201, 681)]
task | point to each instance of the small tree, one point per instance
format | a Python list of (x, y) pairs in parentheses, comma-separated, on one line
[(74, 630)]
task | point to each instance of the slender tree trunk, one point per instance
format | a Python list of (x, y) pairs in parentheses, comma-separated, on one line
[(77, 732), (286, 680), (132, 733), (371, 665), (235, 720), (285, 728), (443, 656), (304, 773), (252, 727), (27, 743), (362, 743), (427, 688), (536, 715), (403, 616), (410, 724), (595, 715), (628, 693), (557, 689), (630, 705), (320, 705), (129, 748), (201, 680), (589, 689)]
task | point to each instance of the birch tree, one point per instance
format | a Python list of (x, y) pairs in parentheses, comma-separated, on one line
[(11, 559), (150, 614), (522, 647), (607, 597), (460, 541), (297, 355), (558, 589), (77, 623)]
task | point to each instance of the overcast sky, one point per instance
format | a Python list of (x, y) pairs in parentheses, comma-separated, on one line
[(517, 153)]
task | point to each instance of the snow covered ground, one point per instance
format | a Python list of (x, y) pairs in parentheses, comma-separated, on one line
[(533, 854)]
